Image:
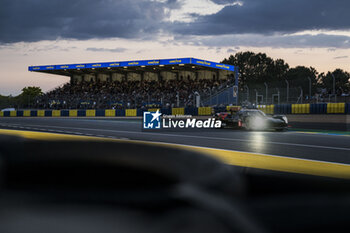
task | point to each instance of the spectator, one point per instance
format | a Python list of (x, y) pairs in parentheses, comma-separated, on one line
[(131, 94)]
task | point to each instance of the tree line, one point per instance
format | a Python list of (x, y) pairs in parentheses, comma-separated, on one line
[(257, 68)]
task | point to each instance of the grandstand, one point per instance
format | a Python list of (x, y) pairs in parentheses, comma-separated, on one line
[(180, 82)]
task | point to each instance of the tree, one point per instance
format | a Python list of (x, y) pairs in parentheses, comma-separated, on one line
[(4, 101), (32, 91), (28, 95), (255, 69), (341, 81), (298, 77)]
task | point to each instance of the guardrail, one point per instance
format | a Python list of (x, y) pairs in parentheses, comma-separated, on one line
[(322, 108)]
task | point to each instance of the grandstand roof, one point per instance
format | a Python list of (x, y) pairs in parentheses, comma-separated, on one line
[(132, 66)]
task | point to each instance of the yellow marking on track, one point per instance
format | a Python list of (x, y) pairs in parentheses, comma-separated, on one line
[(280, 163), (237, 158), (46, 136)]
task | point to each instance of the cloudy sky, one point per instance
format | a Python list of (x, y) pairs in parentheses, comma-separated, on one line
[(41, 32)]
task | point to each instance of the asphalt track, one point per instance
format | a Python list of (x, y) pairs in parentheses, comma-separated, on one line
[(303, 145)]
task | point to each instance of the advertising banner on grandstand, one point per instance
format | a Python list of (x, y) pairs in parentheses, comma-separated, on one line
[(85, 102), (113, 103), (152, 104), (212, 64)]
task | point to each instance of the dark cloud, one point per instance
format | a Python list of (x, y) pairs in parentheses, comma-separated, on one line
[(269, 17), (35, 20), (115, 50), (256, 23)]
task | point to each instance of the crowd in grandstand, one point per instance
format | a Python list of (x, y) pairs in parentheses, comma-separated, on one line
[(129, 94)]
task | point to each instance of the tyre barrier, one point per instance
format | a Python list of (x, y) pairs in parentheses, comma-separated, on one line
[(318, 108), (204, 111), (300, 108), (268, 109), (336, 108), (178, 111), (283, 109), (321, 108), (347, 108)]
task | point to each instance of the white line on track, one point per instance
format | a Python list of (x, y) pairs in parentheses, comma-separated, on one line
[(190, 136)]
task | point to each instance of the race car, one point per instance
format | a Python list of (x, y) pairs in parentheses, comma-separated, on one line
[(252, 119)]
